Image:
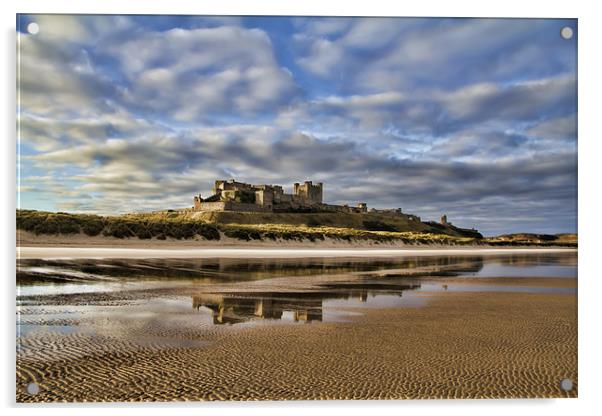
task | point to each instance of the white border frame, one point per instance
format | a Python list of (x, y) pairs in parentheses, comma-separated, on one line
[(590, 207)]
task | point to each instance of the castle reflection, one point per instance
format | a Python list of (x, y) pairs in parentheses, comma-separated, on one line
[(233, 308), (228, 309)]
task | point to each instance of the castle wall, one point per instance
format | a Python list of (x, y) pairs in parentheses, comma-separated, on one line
[(231, 185), (241, 207), (231, 206), (210, 206), (333, 208), (238, 196), (265, 198)]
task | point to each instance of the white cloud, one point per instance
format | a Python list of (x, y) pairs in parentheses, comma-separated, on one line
[(48, 133), (519, 101), (323, 58), (380, 54), (61, 28), (375, 33), (191, 74)]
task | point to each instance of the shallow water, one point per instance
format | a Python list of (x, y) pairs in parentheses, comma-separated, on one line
[(154, 301)]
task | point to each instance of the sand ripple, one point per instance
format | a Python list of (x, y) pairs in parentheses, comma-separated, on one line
[(463, 345)]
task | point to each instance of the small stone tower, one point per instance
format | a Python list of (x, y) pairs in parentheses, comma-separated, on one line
[(444, 219), (197, 201)]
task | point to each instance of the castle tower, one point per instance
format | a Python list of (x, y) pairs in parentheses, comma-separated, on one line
[(309, 191), (197, 202), (444, 219), (319, 191)]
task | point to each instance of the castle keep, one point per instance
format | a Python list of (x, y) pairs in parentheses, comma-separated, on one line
[(239, 196)]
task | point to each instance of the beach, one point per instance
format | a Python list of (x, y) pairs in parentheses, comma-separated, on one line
[(465, 345), (242, 252), (455, 337), (30, 245)]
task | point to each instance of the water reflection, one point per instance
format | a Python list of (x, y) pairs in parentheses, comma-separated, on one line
[(217, 270), (233, 308), (138, 294), (63, 276), (210, 270)]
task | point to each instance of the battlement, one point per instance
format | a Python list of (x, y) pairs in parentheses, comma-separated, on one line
[(309, 190), (231, 195)]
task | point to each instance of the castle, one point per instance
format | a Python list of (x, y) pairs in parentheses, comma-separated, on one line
[(307, 197), (239, 196)]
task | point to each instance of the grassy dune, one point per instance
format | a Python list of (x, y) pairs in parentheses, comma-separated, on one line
[(538, 239), (352, 221), (124, 226), (311, 227), (302, 232)]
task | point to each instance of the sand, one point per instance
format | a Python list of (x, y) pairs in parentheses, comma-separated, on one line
[(30, 245), (463, 345), (41, 252)]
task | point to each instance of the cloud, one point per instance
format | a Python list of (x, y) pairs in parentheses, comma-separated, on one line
[(323, 58), (431, 114), (560, 128), (380, 54), (459, 116), (47, 133), (185, 74), (60, 74), (197, 73), (173, 169), (520, 101)]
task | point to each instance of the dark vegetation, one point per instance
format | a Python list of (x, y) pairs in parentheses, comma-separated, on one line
[(120, 227), (445, 229), (379, 226)]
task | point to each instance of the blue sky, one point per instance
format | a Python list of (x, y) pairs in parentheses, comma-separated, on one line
[(475, 118)]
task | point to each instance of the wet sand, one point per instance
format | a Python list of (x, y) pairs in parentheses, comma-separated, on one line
[(463, 345)]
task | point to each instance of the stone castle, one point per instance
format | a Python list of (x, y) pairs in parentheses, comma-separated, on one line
[(231, 195)]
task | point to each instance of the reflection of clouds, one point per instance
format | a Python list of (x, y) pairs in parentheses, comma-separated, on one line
[(541, 259), (115, 275), (148, 302), (227, 270)]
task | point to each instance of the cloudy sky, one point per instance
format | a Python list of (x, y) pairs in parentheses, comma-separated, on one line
[(475, 118)]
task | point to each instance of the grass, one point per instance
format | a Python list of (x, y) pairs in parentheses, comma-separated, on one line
[(294, 227), (320, 233), (125, 226), (543, 240)]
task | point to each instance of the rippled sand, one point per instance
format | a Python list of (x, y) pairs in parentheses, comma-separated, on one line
[(463, 345)]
